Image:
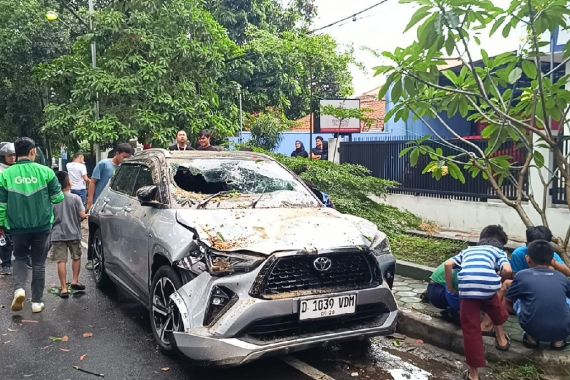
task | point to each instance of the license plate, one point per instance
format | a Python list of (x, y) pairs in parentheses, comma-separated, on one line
[(327, 307)]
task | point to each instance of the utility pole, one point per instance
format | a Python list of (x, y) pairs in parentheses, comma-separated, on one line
[(240, 116), (94, 66), (311, 114)]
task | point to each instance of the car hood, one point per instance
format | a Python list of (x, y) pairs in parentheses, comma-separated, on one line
[(269, 230)]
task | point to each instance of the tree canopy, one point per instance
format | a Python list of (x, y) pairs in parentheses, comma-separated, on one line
[(26, 40), (160, 68), (517, 94)]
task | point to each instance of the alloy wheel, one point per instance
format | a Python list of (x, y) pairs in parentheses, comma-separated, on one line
[(97, 257), (165, 314)]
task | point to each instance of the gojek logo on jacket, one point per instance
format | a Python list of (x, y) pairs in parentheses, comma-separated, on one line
[(25, 180)]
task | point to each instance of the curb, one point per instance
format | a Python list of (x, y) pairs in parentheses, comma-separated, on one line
[(447, 336), (412, 270)]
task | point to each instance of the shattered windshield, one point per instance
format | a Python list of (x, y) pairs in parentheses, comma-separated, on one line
[(231, 183)]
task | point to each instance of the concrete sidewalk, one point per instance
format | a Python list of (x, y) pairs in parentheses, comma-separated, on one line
[(422, 320)]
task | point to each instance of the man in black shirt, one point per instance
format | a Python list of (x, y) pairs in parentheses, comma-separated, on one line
[(181, 142), (204, 141)]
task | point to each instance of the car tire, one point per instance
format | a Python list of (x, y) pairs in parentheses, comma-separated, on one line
[(102, 280), (164, 315)]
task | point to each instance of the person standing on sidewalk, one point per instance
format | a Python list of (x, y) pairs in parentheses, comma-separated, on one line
[(480, 270), (102, 173), (7, 159), (28, 192), (66, 235), (78, 175)]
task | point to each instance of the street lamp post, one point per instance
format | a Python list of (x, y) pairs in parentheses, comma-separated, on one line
[(53, 16), (240, 116), (94, 66)]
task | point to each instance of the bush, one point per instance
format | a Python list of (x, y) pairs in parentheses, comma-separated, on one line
[(266, 130), (350, 186)]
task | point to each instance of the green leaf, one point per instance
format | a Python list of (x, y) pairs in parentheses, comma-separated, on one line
[(529, 69), (515, 75), (414, 156), (456, 172), (396, 91), (418, 15), (538, 158), (489, 131), (405, 151), (496, 25), (450, 44)]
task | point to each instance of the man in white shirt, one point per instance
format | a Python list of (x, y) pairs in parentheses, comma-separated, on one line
[(78, 175)]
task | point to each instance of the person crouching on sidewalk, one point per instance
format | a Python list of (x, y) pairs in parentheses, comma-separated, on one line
[(540, 296), (479, 282), (66, 235)]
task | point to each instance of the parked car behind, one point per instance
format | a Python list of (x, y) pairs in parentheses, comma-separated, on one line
[(235, 258)]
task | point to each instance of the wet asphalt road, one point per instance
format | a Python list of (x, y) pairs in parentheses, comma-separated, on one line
[(122, 346)]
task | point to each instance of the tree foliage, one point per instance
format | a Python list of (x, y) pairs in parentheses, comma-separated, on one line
[(292, 71), (266, 129), (514, 93), (26, 40), (160, 68), (238, 16)]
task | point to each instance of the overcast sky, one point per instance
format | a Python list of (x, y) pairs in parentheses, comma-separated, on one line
[(380, 29)]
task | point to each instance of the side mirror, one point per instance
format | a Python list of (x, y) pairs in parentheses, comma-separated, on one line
[(147, 195)]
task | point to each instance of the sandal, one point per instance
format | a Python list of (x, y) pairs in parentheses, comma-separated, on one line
[(465, 375), (505, 347), (64, 294), (529, 342), (78, 286), (558, 345), (490, 333)]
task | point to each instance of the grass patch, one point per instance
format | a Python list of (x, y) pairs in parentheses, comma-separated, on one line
[(424, 250), (510, 371)]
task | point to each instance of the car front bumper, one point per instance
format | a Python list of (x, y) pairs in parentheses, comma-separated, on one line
[(226, 341)]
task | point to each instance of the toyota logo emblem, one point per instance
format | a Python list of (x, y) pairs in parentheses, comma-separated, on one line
[(322, 264)]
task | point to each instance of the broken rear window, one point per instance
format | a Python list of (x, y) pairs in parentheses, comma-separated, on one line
[(229, 183)]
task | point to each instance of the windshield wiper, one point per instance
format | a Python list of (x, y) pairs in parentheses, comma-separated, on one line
[(207, 200), (254, 203)]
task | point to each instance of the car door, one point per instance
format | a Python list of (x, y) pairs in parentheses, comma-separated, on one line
[(134, 256), (114, 225)]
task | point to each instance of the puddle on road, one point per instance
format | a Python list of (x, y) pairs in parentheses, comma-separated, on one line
[(383, 360), (397, 367), (404, 374)]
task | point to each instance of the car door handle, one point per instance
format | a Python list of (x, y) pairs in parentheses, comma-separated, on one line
[(127, 209)]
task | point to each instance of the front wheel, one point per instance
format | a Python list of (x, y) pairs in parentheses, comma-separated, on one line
[(102, 280), (164, 315)]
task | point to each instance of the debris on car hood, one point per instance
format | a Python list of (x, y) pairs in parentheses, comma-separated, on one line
[(269, 230)]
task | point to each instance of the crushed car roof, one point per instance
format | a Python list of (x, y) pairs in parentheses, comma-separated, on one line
[(201, 154)]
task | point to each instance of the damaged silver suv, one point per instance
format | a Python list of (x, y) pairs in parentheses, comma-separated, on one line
[(235, 258)]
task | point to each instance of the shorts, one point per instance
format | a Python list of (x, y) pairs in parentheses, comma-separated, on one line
[(59, 250)]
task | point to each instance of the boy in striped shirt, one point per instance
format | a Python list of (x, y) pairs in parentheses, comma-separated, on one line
[(480, 271)]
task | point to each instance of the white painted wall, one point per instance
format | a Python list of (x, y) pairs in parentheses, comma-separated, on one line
[(473, 216)]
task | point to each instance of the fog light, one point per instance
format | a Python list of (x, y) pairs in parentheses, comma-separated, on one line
[(221, 300), (217, 301)]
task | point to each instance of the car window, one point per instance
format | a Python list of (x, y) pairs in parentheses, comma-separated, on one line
[(124, 179), (258, 183), (144, 178)]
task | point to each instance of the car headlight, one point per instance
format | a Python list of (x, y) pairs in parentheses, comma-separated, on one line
[(381, 246), (222, 263)]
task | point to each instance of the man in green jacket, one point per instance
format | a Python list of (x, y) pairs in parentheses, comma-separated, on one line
[(28, 192)]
